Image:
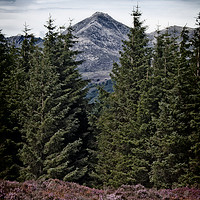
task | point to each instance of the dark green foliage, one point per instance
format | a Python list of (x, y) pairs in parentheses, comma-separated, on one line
[(54, 118), (27, 49), (36, 117), (194, 109), (43, 102), (122, 155), (71, 113), (149, 126), (9, 134), (165, 168), (147, 131), (50, 44), (171, 141)]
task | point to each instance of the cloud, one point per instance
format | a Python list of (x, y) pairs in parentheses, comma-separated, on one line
[(17, 3), (7, 0)]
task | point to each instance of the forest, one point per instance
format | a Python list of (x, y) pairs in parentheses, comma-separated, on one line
[(147, 131)]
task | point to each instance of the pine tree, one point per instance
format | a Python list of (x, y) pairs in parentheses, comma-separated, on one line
[(27, 49), (54, 119), (50, 40), (122, 151), (194, 108), (96, 110), (167, 164), (71, 114), (37, 104), (10, 137), (36, 116), (171, 143), (148, 109)]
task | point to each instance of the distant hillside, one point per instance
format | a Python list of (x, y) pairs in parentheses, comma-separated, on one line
[(18, 39), (172, 30)]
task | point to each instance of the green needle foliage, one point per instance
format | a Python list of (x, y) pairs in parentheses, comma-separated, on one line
[(165, 136), (149, 126), (54, 118), (122, 155), (179, 108), (194, 108), (9, 133)]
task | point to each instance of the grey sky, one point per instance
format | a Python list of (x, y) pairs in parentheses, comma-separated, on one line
[(15, 13)]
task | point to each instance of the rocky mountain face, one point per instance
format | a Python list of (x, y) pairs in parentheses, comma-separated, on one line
[(18, 39), (100, 40), (172, 30)]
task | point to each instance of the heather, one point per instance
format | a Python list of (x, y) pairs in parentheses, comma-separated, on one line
[(54, 189)]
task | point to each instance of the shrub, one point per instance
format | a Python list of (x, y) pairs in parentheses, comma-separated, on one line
[(54, 189)]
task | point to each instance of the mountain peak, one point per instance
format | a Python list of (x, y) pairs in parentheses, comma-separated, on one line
[(99, 38), (102, 20), (99, 17), (101, 14)]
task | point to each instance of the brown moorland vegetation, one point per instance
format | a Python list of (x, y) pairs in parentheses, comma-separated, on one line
[(54, 189)]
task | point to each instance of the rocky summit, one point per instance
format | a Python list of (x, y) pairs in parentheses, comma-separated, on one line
[(100, 39)]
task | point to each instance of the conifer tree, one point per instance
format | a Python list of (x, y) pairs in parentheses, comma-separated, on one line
[(164, 148), (71, 114), (36, 117), (27, 49), (122, 153), (171, 141), (194, 108), (55, 118), (152, 93), (9, 134), (50, 40)]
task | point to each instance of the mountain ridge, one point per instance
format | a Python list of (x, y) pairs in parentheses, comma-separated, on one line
[(100, 40)]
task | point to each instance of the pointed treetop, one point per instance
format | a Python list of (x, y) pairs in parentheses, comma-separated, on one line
[(26, 29), (136, 12)]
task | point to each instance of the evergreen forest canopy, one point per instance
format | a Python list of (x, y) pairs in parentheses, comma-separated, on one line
[(145, 132)]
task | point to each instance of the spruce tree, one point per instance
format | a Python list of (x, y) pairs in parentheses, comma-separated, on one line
[(55, 117), (36, 117), (71, 115), (167, 159), (171, 143), (9, 134), (194, 108), (50, 40), (122, 151), (27, 48)]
